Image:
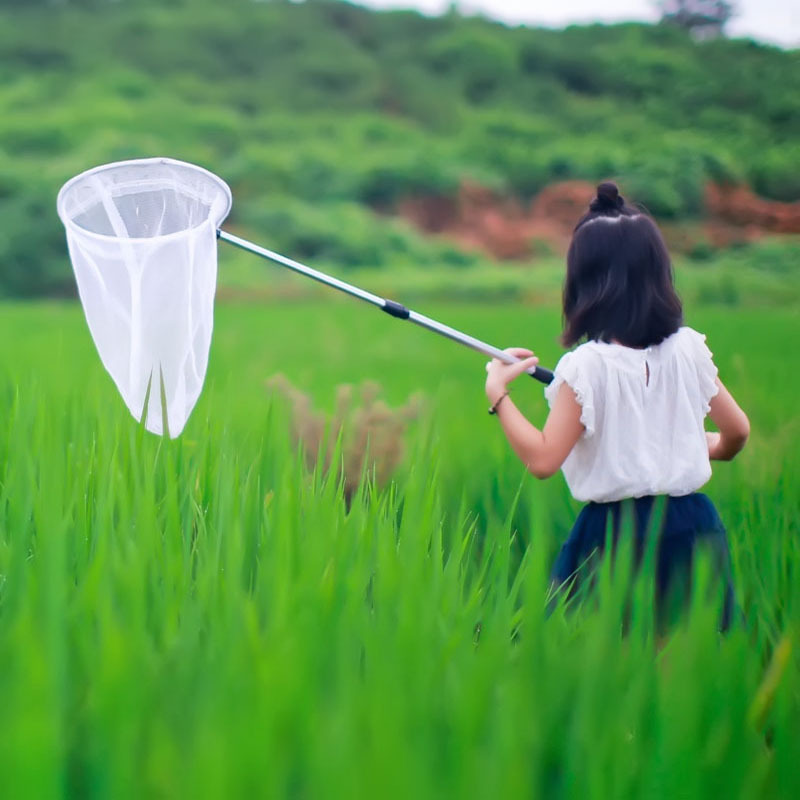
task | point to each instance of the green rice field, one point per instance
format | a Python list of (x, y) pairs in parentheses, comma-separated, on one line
[(222, 615)]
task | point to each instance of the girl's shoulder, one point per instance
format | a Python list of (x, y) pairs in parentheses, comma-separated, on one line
[(690, 343), (580, 368), (580, 358), (595, 357), (684, 335), (685, 338)]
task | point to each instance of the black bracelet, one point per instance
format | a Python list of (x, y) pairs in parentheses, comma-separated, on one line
[(493, 408)]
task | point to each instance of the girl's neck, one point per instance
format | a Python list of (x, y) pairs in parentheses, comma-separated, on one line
[(622, 344)]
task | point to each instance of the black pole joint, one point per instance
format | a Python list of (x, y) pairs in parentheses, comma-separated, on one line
[(395, 309), (543, 375)]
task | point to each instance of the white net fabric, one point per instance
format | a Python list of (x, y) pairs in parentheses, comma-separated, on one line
[(142, 238)]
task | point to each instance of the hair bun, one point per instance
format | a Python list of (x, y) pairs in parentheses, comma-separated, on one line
[(608, 198)]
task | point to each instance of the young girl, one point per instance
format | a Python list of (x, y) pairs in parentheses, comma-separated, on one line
[(627, 407)]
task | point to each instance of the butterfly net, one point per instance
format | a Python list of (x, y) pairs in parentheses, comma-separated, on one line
[(142, 241)]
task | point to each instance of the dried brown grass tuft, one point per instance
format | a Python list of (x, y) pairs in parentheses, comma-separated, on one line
[(372, 433)]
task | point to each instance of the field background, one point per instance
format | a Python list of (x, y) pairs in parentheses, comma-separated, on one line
[(227, 615)]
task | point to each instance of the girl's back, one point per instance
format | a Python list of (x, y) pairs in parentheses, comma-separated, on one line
[(643, 411)]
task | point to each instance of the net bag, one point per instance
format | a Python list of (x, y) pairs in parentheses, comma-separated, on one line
[(142, 239)]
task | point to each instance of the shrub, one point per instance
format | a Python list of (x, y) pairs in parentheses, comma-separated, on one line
[(363, 431)]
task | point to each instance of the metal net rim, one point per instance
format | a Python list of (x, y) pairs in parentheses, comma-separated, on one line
[(79, 230)]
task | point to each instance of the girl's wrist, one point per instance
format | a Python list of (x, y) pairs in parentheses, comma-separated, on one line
[(494, 391), (496, 404)]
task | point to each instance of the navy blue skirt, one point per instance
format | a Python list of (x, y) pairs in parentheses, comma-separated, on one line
[(686, 523)]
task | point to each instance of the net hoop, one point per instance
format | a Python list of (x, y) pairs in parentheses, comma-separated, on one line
[(67, 218)]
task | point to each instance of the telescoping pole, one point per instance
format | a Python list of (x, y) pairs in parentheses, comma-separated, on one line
[(389, 306)]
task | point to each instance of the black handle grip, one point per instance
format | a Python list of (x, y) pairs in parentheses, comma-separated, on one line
[(543, 375)]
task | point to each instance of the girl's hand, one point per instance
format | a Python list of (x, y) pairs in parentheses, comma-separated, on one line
[(500, 374)]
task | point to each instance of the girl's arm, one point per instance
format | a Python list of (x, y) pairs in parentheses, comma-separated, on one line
[(542, 451), (734, 427)]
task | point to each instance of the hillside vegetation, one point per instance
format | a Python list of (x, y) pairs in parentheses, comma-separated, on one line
[(320, 114)]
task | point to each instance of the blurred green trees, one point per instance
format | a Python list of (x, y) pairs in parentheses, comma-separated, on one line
[(319, 112)]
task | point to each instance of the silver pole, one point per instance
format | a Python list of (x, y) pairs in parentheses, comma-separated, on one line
[(296, 266), (389, 306)]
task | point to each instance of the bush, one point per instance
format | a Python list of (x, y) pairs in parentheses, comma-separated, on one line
[(364, 433), (345, 234), (478, 61), (775, 173), (668, 187), (33, 252)]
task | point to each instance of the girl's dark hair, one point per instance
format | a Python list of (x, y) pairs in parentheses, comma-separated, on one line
[(619, 283)]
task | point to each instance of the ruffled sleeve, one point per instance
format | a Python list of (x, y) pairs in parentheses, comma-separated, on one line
[(704, 364), (573, 370)]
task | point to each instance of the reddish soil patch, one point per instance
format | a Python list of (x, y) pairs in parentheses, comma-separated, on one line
[(479, 219), (738, 205)]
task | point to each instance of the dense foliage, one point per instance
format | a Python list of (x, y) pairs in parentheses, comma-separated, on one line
[(321, 112)]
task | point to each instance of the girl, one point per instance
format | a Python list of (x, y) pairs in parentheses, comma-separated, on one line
[(627, 407)]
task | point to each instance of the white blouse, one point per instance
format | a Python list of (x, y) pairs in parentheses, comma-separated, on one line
[(643, 412)]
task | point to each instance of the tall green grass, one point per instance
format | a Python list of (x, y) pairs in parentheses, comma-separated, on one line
[(206, 617)]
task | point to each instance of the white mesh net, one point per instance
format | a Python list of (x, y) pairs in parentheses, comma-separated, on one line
[(142, 238)]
